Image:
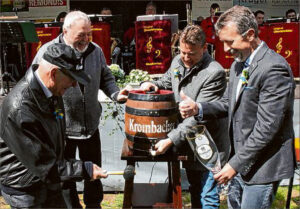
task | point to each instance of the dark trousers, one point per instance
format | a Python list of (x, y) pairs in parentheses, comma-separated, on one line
[(89, 150), (36, 198)]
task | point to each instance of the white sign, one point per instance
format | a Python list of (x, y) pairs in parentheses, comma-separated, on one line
[(35, 9), (272, 8)]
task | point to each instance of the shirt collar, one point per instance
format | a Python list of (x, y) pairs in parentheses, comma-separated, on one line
[(250, 58), (47, 92)]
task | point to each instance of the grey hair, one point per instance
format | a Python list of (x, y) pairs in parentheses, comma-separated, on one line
[(243, 17), (72, 17), (193, 35)]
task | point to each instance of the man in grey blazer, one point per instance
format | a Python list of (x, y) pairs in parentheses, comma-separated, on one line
[(259, 105), (203, 79)]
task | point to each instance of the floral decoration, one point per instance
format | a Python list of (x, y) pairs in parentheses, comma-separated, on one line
[(58, 113), (135, 76), (176, 73), (244, 77)]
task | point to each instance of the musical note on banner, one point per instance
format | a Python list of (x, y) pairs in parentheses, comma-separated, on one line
[(157, 52), (288, 53), (279, 46), (149, 45)]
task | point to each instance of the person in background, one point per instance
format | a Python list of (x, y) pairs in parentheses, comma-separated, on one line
[(106, 11), (61, 17), (260, 17), (82, 107), (150, 8), (200, 19), (259, 105), (291, 14), (196, 73), (115, 42), (208, 27), (128, 38), (32, 137)]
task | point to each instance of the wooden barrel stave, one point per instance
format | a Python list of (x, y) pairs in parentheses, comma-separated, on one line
[(148, 119)]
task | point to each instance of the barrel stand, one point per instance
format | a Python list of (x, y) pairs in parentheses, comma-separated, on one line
[(154, 195)]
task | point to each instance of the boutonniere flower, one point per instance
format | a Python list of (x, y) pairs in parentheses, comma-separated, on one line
[(245, 76), (58, 113), (176, 73)]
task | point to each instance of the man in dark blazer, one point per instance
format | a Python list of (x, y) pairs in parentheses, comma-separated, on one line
[(195, 72), (259, 105)]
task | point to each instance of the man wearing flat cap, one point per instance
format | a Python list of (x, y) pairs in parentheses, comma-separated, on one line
[(32, 132)]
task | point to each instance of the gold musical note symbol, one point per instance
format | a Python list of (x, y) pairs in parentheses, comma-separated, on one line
[(157, 52), (149, 45), (279, 46), (39, 46), (288, 53)]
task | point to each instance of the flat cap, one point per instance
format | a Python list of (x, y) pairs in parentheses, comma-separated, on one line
[(68, 61)]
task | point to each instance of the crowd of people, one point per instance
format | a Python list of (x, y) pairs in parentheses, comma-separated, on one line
[(54, 110)]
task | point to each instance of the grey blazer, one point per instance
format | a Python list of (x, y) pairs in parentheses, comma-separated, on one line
[(260, 120), (206, 81)]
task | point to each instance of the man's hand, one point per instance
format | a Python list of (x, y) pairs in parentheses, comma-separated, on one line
[(123, 94), (161, 147), (98, 172), (148, 86), (187, 106), (225, 175)]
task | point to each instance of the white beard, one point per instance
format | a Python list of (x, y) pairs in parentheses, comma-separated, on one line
[(80, 51), (83, 50)]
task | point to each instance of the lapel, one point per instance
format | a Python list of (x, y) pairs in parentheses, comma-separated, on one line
[(195, 68), (237, 73), (252, 67)]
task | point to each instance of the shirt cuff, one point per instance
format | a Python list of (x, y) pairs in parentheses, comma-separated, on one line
[(199, 117), (114, 96)]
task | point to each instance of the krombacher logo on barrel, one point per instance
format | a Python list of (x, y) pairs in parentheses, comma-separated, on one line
[(151, 128)]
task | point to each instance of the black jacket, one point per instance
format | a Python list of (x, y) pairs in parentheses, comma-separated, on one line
[(32, 139)]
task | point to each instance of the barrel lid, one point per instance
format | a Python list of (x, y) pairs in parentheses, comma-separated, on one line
[(160, 95)]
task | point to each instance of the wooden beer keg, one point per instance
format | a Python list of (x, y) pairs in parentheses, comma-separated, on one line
[(149, 117)]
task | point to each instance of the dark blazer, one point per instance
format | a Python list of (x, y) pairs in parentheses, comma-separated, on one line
[(260, 121), (206, 81)]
